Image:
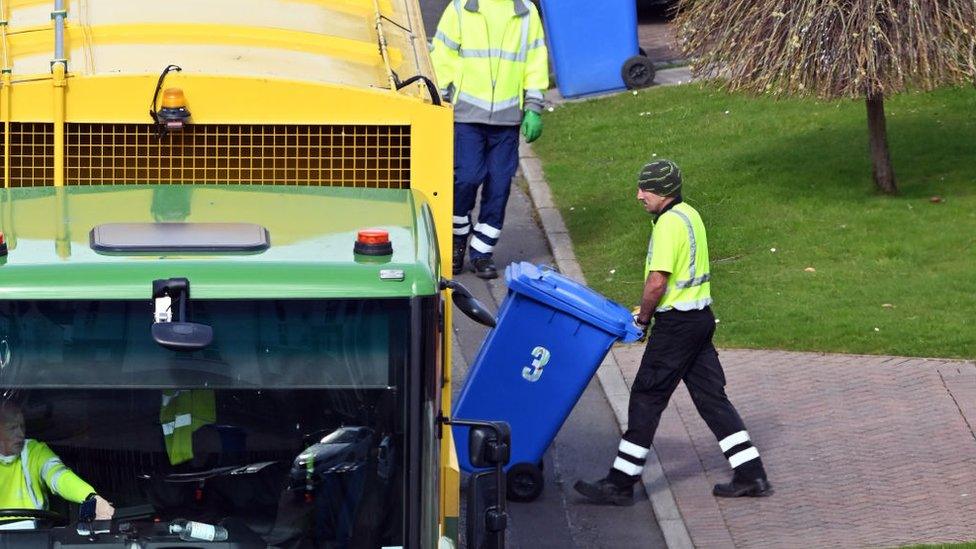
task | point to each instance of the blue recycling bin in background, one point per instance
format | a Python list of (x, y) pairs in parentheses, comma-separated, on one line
[(552, 335), (594, 46)]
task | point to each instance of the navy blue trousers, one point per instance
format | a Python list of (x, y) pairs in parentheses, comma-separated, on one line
[(484, 156)]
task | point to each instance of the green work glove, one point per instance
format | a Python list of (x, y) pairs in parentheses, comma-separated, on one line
[(531, 126)]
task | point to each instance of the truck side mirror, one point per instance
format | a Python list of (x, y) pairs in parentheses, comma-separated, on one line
[(471, 307), (486, 523), (488, 447)]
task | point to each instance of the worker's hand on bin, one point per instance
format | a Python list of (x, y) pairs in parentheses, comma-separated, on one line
[(531, 126), (103, 509), (642, 327)]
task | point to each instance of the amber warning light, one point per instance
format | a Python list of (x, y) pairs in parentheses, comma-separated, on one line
[(173, 113), (373, 242)]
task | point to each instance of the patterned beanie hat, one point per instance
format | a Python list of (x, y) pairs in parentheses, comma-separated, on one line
[(661, 177)]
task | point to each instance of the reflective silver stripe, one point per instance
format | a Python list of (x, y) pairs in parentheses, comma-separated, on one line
[(732, 440), (622, 464), (534, 94), (491, 54), (462, 230), (458, 220), (49, 465), (487, 230), (523, 53), (650, 255), (439, 35), (537, 43), (691, 241), (486, 105), (56, 479), (632, 449), (183, 420), (748, 454), (481, 246), (696, 305), (470, 109), (691, 283), (24, 458)]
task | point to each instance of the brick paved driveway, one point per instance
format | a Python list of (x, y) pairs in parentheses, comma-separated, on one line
[(862, 451)]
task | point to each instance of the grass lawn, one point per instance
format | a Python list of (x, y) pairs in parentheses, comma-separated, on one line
[(892, 275)]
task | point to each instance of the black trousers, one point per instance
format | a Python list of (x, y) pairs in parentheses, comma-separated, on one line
[(680, 349)]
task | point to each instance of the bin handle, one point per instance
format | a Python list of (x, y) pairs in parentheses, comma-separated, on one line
[(548, 267)]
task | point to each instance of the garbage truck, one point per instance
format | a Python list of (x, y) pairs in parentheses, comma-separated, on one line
[(222, 299)]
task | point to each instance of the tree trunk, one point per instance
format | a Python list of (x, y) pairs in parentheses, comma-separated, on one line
[(884, 176)]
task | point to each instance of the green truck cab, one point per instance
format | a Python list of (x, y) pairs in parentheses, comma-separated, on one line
[(309, 418)]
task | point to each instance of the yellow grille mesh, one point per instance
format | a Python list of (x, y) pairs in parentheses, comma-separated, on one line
[(31, 154), (97, 154)]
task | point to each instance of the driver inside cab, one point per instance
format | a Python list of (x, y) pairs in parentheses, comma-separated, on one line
[(30, 471)]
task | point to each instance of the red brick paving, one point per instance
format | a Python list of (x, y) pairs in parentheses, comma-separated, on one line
[(862, 451)]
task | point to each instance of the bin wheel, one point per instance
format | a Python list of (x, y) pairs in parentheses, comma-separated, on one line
[(637, 72), (524, 482)]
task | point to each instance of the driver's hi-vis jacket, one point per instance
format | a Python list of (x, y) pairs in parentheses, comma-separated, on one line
[(28, 479)]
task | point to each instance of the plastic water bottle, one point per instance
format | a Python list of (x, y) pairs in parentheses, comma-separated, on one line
[(189, 530)]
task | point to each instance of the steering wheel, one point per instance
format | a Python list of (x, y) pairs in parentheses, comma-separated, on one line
[(42, 515)]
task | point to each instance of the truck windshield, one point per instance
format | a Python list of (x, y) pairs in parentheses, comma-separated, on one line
[(287, 430)]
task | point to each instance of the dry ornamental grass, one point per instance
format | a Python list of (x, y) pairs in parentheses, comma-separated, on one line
[(831, 48)]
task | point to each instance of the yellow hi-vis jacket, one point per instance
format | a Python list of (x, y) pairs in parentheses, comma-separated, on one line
[(679, 246), (26, 481), (491, 61), (181, 413)]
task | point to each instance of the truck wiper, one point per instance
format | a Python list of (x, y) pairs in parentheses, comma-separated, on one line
[(218, 472)]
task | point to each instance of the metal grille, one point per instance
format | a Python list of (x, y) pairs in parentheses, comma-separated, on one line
[(97, 154), (31, 154)]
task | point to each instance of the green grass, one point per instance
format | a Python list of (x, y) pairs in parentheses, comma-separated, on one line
[(793, 175)]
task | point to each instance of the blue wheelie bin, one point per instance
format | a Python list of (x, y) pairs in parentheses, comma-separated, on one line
[(594, 46), (552, 335)]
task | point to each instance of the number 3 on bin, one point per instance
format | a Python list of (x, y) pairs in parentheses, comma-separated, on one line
[(541, 358)]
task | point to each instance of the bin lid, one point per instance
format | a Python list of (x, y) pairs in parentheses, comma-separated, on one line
[(544, 284)]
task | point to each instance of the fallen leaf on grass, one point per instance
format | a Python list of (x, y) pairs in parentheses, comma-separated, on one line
[(887, 306), (810, 270), (936, 199)]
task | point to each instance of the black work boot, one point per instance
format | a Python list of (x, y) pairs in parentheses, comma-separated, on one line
[(484, 267), (457, 264), (605, 491), (739, 487)]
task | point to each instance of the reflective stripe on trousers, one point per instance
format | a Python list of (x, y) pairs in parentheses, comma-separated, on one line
[(485, 159)]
